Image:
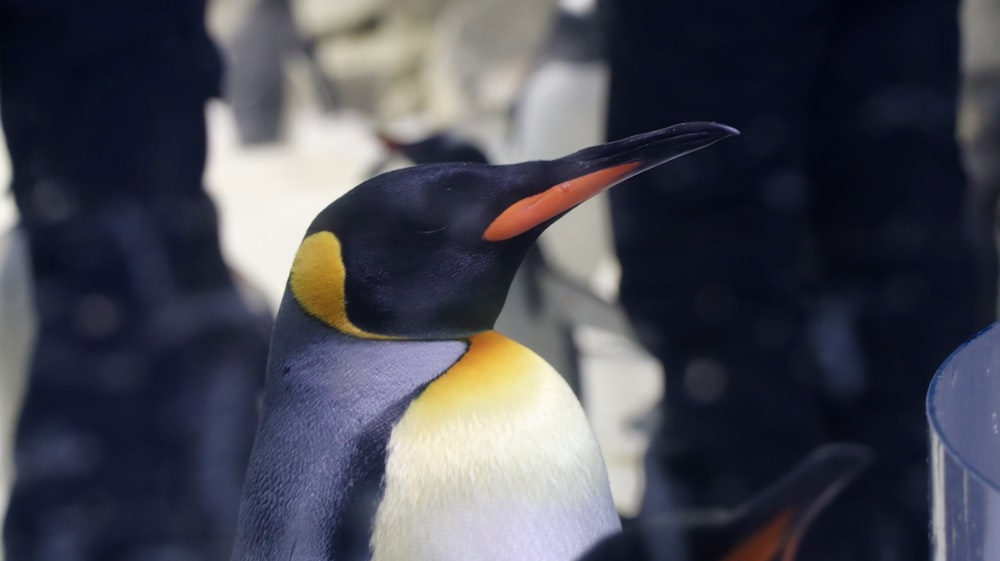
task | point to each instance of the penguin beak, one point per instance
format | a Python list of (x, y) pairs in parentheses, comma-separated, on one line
[(602, 167), (766, 543)]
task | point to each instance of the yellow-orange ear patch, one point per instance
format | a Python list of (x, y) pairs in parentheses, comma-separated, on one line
[(765, 542), (317, 283)]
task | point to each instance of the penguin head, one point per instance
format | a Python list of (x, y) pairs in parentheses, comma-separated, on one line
[(429, 252), (441, 147)]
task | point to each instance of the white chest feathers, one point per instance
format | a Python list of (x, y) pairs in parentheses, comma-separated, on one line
[(494, 461)]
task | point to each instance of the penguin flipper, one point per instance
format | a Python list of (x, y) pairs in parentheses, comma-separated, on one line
[(774, 522)]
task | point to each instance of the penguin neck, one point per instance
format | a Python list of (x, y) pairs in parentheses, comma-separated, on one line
[(487, 369), (330, 403), (303, 346)]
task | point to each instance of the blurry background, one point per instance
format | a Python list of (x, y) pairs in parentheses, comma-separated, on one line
[(313, 83)]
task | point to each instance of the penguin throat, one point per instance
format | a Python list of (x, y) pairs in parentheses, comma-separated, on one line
[(317, 284)]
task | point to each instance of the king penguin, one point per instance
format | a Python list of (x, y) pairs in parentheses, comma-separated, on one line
[(396, 423)]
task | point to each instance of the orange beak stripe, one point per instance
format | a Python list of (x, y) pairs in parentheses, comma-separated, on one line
[(765, 543), (529, 212)]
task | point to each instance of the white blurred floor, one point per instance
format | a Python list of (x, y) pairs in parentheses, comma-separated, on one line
[(268, 196)]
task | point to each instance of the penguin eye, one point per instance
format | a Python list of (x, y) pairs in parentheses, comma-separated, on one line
[(430, 231), (425, 234)]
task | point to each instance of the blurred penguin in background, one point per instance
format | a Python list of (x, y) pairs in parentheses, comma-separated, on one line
[(562, 104), (255, 73), (562, 108), (979, 133), (770, 526), (17, 332), (803, 283), (257, 57), (140, 404)]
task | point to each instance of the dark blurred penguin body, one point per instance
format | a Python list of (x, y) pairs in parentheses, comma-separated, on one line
[(769, 527), (396, 423)]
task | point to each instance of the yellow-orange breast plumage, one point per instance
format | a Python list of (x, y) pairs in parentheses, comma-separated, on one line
[(493, 459)]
